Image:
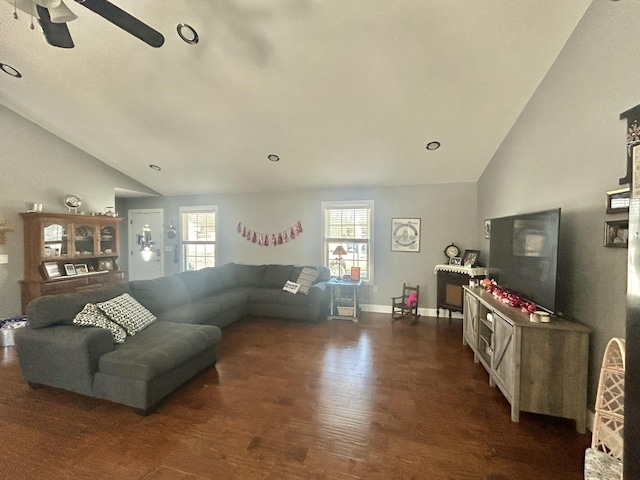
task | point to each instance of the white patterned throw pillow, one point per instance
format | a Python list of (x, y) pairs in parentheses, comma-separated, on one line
[(91, 316), (306, 279), (127, 312)]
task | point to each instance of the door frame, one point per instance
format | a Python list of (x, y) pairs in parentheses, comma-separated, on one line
[(132, 245)]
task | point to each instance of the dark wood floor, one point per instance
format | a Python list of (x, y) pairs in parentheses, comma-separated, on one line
[(289, 400)]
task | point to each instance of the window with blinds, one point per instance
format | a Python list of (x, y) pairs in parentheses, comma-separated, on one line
[(198, 237), (349, 224)]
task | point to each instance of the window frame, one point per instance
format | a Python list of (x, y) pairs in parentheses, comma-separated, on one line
[(183, 244), (350, 204)]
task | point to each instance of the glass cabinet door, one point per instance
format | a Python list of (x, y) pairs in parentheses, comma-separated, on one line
[(108, 239), (55, 241), (83, 240)]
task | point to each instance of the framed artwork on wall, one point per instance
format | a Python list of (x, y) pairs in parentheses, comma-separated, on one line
[(487, 229), (618, 200), (405, 234), (616, 233)]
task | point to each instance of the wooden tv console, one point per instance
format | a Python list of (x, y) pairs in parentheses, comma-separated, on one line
[(539, 367)]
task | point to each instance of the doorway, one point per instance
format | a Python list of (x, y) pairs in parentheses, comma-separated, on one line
[(138, 268)]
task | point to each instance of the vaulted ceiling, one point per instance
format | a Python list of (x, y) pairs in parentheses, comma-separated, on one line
[(345, 92)]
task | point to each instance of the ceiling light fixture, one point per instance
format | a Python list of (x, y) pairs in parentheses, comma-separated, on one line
[(9, 70), (188, 33), (155, 167), (273, 157), (433, 145)]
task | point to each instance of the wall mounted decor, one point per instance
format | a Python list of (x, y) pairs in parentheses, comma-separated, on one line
[(269, 239), (4, 228), (487, 229), (405, 234), (616, 233), (618, 200)]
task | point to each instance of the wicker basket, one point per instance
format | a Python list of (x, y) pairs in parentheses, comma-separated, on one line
[(345, 311)]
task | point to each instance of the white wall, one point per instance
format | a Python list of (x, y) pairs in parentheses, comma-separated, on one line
[(447, 213), (37, 166), (567, 150)]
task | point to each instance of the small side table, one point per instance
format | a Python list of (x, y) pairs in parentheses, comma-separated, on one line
[(344, 299)]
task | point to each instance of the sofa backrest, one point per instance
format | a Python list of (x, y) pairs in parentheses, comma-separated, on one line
[(202, 283), (160, 294), (61, 309)]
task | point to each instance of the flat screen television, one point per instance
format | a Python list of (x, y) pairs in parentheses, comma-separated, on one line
[(523, 255)]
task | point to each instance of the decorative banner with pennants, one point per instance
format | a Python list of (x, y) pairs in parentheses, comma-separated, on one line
[(270, 239)]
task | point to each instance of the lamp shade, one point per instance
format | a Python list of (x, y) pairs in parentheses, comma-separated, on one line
[(339, 250)]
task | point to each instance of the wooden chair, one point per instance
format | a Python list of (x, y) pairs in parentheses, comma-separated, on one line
[(604, 459), (399, 306)]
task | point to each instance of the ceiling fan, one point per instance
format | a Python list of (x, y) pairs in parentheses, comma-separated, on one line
[(53, 16)]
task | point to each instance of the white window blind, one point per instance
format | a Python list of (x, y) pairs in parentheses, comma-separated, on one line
[(198, 235), (349, 225)]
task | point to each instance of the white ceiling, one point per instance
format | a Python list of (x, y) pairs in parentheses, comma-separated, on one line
[(346, 92)]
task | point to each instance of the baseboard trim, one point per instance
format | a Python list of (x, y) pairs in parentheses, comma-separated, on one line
[(427, 312)]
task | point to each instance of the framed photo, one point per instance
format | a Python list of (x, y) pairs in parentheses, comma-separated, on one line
[(487, 229), (618, 200), (106, 264), (405, 234), (70, 269), (81, 268), (455, 261), (470, 258), (616, 233), (51, 269), (355, 273)]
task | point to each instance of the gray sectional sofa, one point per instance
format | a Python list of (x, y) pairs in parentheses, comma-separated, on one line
[(190, 310)]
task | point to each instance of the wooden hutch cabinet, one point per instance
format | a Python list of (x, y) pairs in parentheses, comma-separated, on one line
[(66, 253)]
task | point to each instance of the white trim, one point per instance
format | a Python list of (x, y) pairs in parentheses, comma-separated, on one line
[(350, 203), (195, 209), (132, 246), (427, 312)]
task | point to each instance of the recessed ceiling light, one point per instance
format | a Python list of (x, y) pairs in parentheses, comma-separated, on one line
[(155, 167), (433, 145), (273, 157), (9, 70), (188, 33)]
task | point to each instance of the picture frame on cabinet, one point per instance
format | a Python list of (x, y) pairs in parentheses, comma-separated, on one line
[(455, 261), (105, 265), (618, 200), (470, 258), (69, 269), (616, 233), (51, 270), (81, 268)]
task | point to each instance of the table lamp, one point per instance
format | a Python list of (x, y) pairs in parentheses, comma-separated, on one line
[(339, 251)]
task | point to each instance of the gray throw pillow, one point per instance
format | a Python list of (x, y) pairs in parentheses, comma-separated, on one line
[(91, 316), (127, 312), (306, 279)]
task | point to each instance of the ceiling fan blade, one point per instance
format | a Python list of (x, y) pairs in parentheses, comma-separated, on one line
[(125, 21), (56, 34)]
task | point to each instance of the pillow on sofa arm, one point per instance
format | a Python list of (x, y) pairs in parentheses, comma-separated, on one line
[(306, 279), (127, 312), (91, 316)]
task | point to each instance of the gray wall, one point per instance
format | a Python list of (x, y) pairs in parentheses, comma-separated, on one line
[(37, 166), (447, 214), (567, 150)]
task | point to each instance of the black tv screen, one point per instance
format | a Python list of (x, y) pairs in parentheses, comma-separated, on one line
[(523, 255)]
